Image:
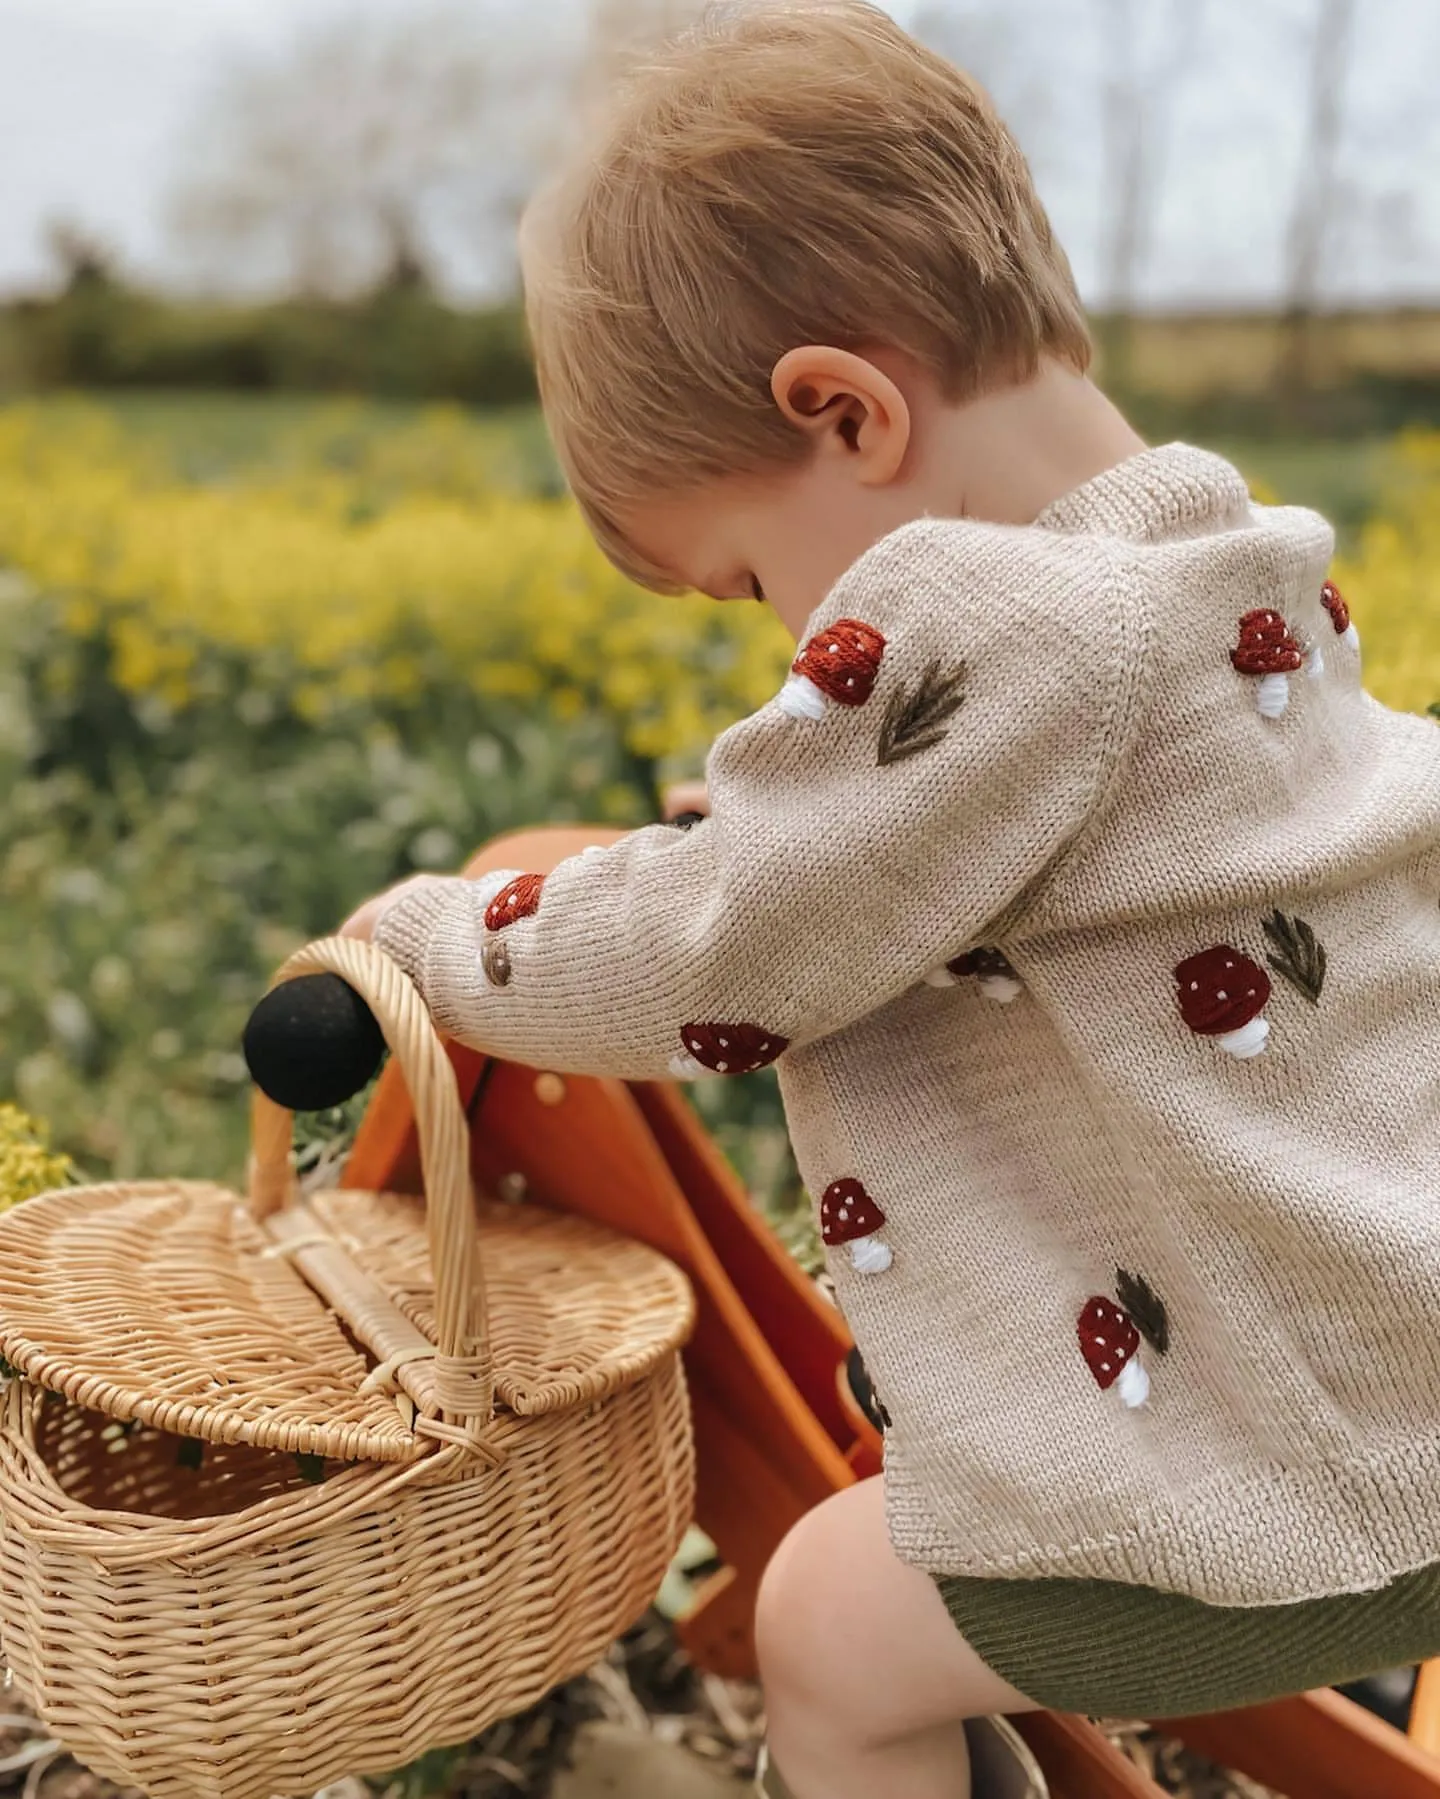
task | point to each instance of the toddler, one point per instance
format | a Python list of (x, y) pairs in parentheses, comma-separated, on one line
[(1087, 906)]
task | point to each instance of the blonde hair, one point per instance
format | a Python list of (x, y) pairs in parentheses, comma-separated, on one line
[(782, 174)]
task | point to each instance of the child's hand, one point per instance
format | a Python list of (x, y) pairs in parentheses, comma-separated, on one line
[(683, 797), (361, 923)]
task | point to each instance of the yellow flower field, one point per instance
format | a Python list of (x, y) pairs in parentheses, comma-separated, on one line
[(416, 565), (1392, 582), (364, 584)]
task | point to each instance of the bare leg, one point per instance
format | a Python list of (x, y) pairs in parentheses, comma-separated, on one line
[(867, 1682)]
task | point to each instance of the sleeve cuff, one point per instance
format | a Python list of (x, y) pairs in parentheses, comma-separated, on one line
[(429, 915)]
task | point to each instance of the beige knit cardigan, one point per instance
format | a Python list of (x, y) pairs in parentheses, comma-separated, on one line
[(1092, 913)]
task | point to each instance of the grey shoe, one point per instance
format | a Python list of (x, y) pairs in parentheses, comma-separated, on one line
[(1001, 1765)]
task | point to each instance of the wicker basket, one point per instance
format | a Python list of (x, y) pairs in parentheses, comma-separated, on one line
[(288, 1492)]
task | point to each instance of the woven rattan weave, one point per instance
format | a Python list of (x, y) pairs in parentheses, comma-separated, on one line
[(296, 1489)]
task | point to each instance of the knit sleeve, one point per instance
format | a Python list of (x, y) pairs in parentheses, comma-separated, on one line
[(947, 729)]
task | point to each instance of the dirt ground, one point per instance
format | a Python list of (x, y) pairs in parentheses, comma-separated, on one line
[(642, 1724)]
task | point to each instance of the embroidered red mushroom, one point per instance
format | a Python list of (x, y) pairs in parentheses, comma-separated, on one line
[(849, 1215), (726, 1049), (838, 665), (518, 898), (1267, 649), (1334, 603), (486, 887), (1110, 1345), (995, 977), (1223, 994)]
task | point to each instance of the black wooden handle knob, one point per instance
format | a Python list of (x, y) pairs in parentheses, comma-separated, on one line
[(312, 1043)]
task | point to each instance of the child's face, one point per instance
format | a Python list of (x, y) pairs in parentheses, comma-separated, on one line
[(786, 539), (788, 536)]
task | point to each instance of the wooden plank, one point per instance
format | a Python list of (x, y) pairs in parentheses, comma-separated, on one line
[(583, 1146), (1318, 1745), (1079, 1761), (807, 1333), (1425, 1709)]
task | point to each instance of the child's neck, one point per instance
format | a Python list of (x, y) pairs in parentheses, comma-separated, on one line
[(1008, 455)]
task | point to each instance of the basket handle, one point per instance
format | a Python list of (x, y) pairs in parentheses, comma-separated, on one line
[(464, 1373)]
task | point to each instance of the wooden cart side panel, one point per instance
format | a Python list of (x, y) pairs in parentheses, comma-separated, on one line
[(1317, 1745), (1425, 1709), (589, 1150), (1079, 1761), (806, 1332)]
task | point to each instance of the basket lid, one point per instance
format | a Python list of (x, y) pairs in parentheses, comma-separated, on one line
[(165, 1301), (168, 1303), (575, 1310), (209, 1316)]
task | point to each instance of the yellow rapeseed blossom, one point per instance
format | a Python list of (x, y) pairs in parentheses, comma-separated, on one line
[(409, 560), (27, 1163), (1392, 582), (379, 583)]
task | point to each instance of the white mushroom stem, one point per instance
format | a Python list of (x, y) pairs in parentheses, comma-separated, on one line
[(1000, 987), (1274, 695), (485, 887), (941, 977), (1351, 636), (801, 698), (1134, 1383), (869, 1255), (1248, 1041), (1315, 663), (686, 1068)]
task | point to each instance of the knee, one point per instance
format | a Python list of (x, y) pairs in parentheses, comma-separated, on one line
[(802, 1640)]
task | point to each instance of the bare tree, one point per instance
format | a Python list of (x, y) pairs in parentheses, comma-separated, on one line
[(1137, 110), (1318, 190), (371, 150)]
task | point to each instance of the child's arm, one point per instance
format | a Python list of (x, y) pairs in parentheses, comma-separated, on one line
[(875, 829)]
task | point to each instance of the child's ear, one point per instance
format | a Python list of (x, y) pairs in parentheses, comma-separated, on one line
[(848, 407)]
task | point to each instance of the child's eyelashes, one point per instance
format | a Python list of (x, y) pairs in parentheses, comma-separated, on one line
[(744, 587)]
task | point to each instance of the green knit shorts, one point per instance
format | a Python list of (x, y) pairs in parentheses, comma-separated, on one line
[(1110, 1650)]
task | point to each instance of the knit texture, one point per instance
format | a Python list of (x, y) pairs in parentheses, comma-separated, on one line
[(1060, 763)]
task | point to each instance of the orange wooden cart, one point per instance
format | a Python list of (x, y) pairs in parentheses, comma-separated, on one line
[(777, 1427)]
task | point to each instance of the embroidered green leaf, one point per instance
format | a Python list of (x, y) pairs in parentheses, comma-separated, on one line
[(1296, 955), (191, 1452), (915, 719), (312, 1467), (1145, 1306)]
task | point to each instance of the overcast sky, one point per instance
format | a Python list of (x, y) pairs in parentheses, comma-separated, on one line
[(98, 97)]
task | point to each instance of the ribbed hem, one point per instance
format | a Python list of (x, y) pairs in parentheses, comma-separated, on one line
[(1105, 1649), (1270, 1539)]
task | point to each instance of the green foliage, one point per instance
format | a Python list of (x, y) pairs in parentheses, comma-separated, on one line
[(398, 341)]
